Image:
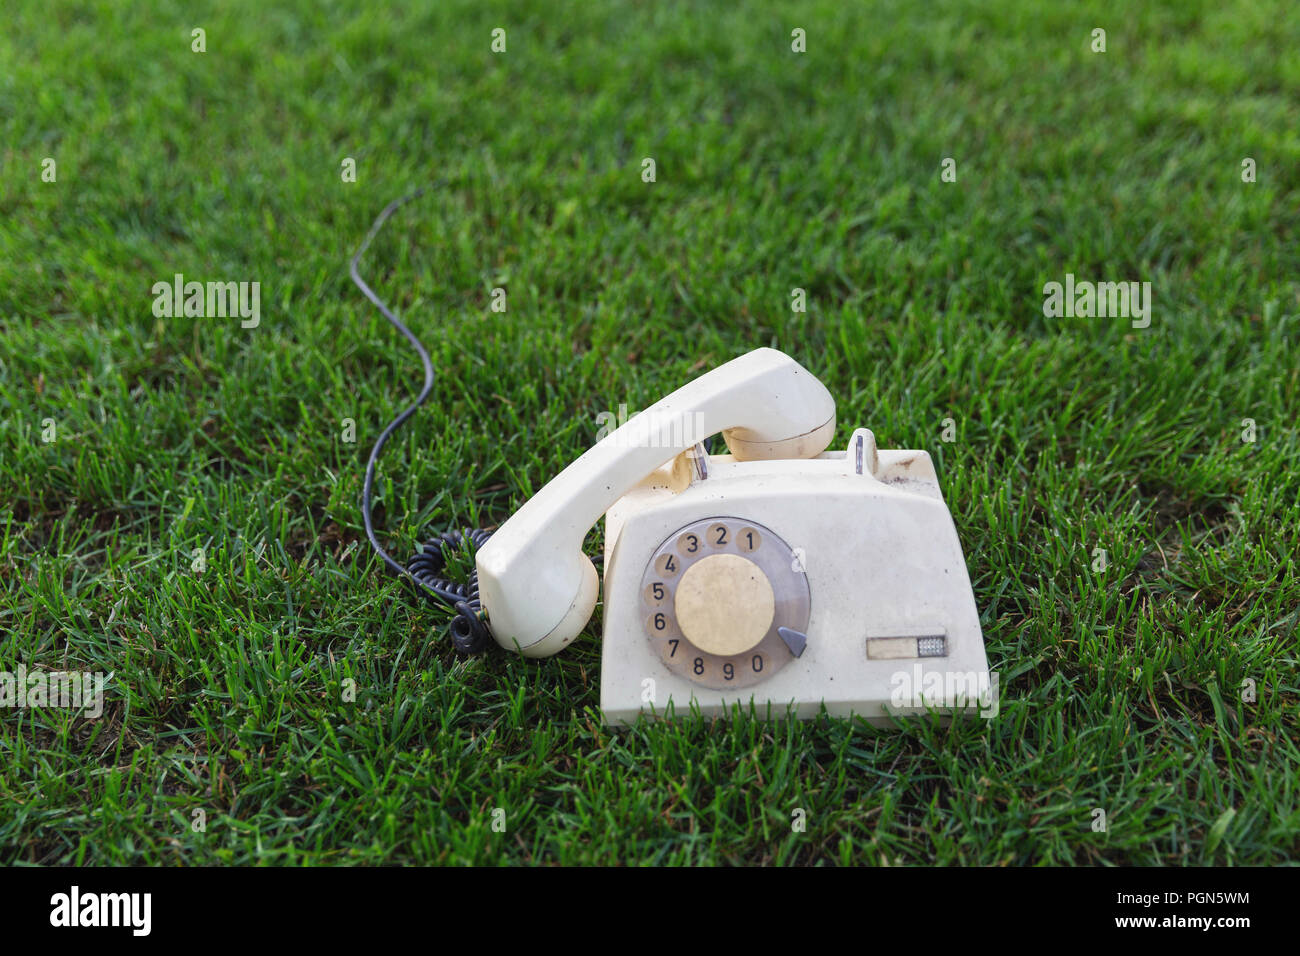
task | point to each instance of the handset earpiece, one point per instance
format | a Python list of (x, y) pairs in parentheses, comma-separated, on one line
[(536, 584)]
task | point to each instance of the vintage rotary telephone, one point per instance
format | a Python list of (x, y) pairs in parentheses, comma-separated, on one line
[(781, 575)]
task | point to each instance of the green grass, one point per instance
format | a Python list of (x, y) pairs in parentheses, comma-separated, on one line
[(1120, 689)]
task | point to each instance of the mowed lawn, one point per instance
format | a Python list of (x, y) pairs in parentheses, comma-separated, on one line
[(179, 496)]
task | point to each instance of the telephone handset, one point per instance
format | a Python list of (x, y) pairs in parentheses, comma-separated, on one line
[(778, 575), (535, 582)]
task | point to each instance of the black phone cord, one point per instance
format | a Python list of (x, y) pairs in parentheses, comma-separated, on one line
[(469, 629)]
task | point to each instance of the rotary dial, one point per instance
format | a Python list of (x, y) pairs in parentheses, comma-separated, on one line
[(725, 602)]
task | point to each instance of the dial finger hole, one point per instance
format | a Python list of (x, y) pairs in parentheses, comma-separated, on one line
[(668, 565), (656, 594)]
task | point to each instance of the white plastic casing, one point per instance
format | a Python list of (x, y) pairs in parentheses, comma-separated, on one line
[(883, 561)]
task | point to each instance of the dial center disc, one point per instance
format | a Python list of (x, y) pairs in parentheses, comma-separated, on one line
[(724, 604)]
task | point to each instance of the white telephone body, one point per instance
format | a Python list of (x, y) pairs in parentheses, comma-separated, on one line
[(781, 575)]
